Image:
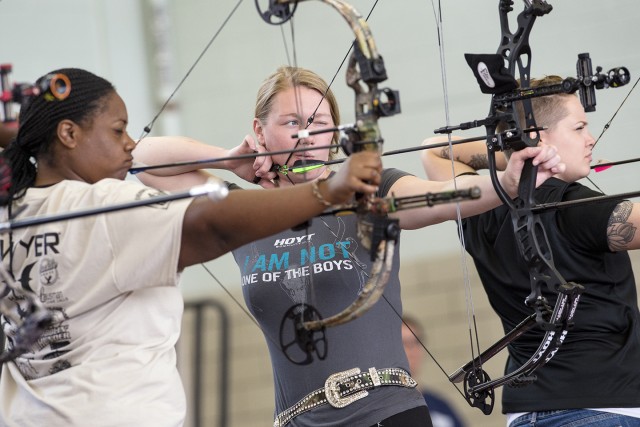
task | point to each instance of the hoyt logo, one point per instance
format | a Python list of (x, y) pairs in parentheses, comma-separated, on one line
[(292, 241)]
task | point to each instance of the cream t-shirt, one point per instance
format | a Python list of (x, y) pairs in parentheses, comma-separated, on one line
[(111, 282)]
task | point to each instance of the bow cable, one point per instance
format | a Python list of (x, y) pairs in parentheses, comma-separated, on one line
[(471, 317)]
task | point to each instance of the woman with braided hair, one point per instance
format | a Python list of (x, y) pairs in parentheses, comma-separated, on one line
[(110, 280)]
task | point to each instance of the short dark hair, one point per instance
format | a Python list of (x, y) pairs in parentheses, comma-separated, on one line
[(547, 110)]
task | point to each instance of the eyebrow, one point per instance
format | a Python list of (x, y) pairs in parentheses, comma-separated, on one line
[(289, 115), (297, 116)]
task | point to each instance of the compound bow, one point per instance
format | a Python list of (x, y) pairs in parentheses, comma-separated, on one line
[(379, 234), (497, 75)]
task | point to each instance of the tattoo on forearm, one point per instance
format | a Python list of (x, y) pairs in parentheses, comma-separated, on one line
[(479, 161), (620, 232), (444, 153)]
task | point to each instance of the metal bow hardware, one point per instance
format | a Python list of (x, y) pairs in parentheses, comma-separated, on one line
[(514, 53), (377, 232)]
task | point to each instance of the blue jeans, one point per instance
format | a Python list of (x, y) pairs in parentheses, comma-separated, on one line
[(574, 418)]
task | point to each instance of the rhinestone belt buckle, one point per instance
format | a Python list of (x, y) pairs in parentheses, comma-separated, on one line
[(332, 389)]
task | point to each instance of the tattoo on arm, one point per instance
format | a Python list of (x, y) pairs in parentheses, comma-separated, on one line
[(620, 232), (444, 153), (477, 161)]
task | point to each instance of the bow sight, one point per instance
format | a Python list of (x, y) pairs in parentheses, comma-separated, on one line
[(588, 82), (495, 79)]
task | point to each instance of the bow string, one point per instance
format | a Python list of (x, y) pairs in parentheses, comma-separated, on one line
[(376, 230)]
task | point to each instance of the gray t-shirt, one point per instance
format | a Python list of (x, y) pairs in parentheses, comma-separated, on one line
[(325, 266)]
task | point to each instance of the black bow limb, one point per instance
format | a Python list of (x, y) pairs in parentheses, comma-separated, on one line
[(529, 231)]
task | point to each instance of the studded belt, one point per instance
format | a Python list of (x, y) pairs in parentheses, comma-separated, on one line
[(344, 388)]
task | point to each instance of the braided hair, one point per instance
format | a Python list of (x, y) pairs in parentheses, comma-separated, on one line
[(39, 118)]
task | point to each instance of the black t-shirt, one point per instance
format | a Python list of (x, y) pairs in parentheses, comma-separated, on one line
[(598, 364)]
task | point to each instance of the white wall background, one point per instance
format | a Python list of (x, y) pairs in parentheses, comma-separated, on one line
[(105, 37)]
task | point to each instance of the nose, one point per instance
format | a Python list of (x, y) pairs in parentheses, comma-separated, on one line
[(308, 140), (590, 140), (129, 143)]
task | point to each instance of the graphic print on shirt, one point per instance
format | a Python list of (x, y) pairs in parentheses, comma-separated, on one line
[(41, 275), (150, 193), (296, 261), (340, 235), (302, 276)]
